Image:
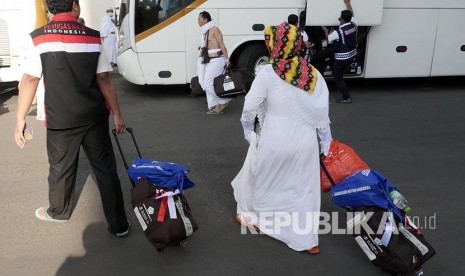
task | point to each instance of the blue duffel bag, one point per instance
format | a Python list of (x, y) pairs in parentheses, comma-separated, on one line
[(364, 189), (162, 174)]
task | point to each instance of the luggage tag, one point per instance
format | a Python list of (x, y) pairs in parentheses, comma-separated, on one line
[(228, 83)]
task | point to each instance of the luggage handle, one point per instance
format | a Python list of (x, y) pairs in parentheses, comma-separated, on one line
[(326, 171), (128, 129), (227, 71)]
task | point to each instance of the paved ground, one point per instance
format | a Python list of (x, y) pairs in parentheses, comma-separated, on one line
[(410, 130)]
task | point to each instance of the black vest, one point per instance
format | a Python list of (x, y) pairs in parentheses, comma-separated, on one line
[(69, 55), (346, 46)]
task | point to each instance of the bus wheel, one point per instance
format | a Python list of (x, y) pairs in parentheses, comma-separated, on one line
[(254, 56)]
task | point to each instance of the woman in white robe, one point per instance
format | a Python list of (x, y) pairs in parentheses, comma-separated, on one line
[(278, 188)]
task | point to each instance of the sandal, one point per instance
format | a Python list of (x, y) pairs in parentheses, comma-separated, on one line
[(214, 112), (244, 223), (42, 215), (223, 106), (314, 250)]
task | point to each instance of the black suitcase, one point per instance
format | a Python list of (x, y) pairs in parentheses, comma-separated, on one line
[(196, 89), (406, 251), (153, 213)]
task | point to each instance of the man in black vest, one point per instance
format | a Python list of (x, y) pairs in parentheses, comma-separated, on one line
[(79, 95), (344, 46)]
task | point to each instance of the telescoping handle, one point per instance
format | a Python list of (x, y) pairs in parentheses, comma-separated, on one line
[(125, 162)]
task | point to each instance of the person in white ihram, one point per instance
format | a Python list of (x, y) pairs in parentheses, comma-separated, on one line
[(108, 32), (212, 38)]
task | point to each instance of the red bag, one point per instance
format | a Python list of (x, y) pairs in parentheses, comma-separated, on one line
[(341, 162)]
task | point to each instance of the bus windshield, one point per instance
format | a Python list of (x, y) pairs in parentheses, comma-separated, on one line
[(150, 13)]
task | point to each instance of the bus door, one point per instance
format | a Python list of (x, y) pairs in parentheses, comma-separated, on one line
[(160, 39), (368, 13), (449, 49), (403, 45), (418, 39)]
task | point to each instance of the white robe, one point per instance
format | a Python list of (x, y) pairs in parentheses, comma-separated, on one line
[(207, 73), (280, 176), (108, 33)]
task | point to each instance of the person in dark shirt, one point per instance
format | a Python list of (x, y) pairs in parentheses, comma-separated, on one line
[(342, 49), (78, 99), (344, 41)]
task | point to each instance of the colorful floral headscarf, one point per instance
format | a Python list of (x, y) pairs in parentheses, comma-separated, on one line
[(284, 43)]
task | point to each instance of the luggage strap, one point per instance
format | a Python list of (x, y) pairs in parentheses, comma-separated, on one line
[(186, 221)]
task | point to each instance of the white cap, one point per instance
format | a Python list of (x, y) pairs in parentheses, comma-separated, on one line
[(109, 8)]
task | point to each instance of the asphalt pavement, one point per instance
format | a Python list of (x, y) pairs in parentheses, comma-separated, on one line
[(410, 130)]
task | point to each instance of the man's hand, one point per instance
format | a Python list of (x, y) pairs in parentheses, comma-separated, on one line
[(27, 90), (349, 6), (120, 126), (19, 133)]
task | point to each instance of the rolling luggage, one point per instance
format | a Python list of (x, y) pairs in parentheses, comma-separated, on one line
[(394, 246), (161, 209), (383, 231)]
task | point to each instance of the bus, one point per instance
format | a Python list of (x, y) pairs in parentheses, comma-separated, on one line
[(158, 39), (17, 20)]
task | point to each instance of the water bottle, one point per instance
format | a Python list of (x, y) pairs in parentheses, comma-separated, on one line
[(400, 201)]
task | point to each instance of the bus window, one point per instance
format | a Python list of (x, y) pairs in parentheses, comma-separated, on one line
[(123, 10), (150, 13)]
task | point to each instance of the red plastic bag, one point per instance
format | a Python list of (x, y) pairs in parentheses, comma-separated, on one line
[(341, 162)]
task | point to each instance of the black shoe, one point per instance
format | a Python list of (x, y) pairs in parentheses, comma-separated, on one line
[(121, 233), (348, 100)]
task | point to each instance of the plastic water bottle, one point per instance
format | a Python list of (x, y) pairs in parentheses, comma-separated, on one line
[(400, 201)]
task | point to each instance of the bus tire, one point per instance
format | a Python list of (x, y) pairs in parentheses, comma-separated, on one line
[(252, 56)]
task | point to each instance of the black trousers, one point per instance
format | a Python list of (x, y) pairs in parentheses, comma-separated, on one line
[(319, 61), (319, 58), (63, 155), (338, 70)]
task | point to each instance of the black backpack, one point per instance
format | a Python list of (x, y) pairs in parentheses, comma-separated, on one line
[(406, 251)]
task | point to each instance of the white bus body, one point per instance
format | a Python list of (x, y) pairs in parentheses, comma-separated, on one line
[(20, 17), (404, 38)]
